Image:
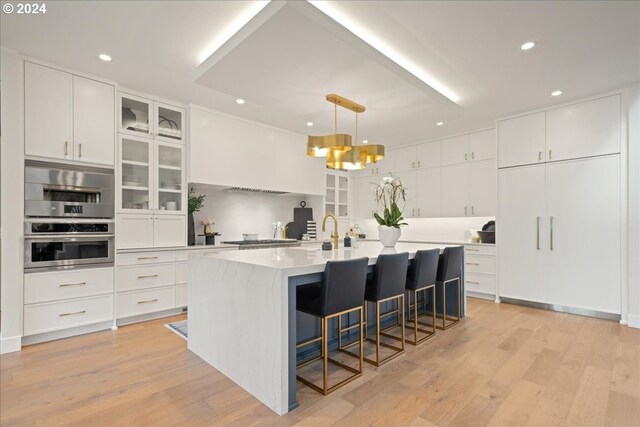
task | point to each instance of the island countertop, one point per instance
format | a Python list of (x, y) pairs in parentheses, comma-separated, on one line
[(242, 311)]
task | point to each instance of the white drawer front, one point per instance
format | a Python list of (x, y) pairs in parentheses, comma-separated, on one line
[(142, 302), (183, 255), (479, 264), (144, 276), (479, 250), (145, 258), (62, 285), (182, 298), (47, 317), (482, 284), (182, 272)]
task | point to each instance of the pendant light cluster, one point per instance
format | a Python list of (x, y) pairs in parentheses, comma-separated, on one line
[(338, 147)]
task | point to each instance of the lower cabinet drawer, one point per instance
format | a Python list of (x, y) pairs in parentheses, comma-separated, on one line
[(52, 316), (182, 297), (479, 264), (182, 272), (138, 258), (64, 285), (142, 302), (478, 283), (144, 276)]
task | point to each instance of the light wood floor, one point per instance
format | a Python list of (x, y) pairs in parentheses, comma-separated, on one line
[(504, 365)]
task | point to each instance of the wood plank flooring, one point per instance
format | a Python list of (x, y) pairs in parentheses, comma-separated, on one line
[(504, 365)]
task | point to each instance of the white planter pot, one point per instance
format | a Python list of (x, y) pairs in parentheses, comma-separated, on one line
[(388, 235)]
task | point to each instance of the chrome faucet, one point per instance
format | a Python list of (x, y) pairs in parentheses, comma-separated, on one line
[(335, 236)]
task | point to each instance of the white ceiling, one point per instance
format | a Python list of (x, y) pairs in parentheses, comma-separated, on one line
[(470, 48)]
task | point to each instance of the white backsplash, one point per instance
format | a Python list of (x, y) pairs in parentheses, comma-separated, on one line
[(238, 212), (431, 229)]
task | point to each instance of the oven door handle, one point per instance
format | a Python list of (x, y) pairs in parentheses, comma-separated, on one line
[(68, 238)]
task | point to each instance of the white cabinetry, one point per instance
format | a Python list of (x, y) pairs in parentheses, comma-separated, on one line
[(455, 150), (521, 140), (480, 270), (169, 231), (429, 192), (336, 200), (66, 299), (68, 117), (411, 193), (364, 196), (455, 190), (140, 116), (469, 189), (559, 233), (270, 158)]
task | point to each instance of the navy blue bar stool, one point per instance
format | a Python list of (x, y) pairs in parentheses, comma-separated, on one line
[(421, 279), (387, 284), (449, 272), (340, 292)]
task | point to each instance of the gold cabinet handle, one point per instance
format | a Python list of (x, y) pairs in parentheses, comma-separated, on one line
[(149, 276), (80, 150), (413, 164), (472, 211), (473, 155), (418, 211), (418, 163), (72, 314), (66, 148), (472, 263), (413, 212), (538, 233), (147, 257), (471, 281), (539, 156), (64, 285), (148, 301), (549, 154), (551, 232), (473, 250), (465, 211)]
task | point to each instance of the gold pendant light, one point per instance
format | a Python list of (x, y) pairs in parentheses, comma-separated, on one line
[(338, 148)]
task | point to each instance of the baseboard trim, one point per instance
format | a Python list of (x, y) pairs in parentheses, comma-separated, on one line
[(563, 309), (150, 316), (10, 345), (481, 295), (67, 333), (633, 321)]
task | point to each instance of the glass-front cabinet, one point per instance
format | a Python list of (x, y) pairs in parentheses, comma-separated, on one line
[(151, 176), (145, 117), (337, 193)]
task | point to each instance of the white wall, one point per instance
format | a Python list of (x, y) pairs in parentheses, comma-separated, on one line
[(453, 230), (11, 211), (238, 212), (634, 206)]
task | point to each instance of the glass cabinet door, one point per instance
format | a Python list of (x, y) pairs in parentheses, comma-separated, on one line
[(169, 178), (169, 123), (330, 195), (343, 195), (135, 113), (135, 175)]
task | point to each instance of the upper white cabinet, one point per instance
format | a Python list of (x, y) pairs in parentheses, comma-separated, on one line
[(363, 189), (381, 168), (146, 117), (428, 155), (68, 117), (411, 196), (455, 150), (583, 130), (455, 190), (230, 151), (483, 184), (93, 121), (429, 192), (405, 159), (482, 145), (521, 140), (48, 112)]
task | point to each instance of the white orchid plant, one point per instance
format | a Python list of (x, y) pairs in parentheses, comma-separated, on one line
[(207, 221), (389, 193)]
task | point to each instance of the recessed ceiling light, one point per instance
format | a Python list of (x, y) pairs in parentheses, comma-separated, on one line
[(240, 101), (556, 93), (527, 45), (104, 57), (439, 123), (309, 124), (365, 141)]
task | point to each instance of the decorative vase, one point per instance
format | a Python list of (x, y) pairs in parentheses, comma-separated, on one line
[(388, 235), (207, 230), (191, 230)]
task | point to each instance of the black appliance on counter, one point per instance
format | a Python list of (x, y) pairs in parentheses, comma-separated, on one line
[(488, 233)]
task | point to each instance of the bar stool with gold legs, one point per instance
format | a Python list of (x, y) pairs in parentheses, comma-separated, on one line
[(387, 284), (421, 279), (340, 292), (449, 272)]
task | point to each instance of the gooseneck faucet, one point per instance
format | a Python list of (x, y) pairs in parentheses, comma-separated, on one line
[(335, 236)]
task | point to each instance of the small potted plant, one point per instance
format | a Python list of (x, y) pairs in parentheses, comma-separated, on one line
[(389, 193), (208, 225), (195, 203)]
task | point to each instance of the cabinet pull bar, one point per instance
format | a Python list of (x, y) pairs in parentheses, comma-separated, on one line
[(147, 257), (551, 232), (471, 281), (539, 156), (413, 164), (472, 263), (473, 250), (473, 155), (149, 276), (549, 154), (418, 163), (472, 211), (80, 150), (64, 285), (71, 314), (66, 148), (538, 233), (148, 301), (418, 211), (413, 212), (465, 211), (465, 156)]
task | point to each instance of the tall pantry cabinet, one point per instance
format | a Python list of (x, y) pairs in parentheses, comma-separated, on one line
[(559, 206)]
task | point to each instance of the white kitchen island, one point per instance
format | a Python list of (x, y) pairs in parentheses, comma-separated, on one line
[(242, 311)]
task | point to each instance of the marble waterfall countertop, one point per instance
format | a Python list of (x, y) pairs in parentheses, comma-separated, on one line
[(242, 311)]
